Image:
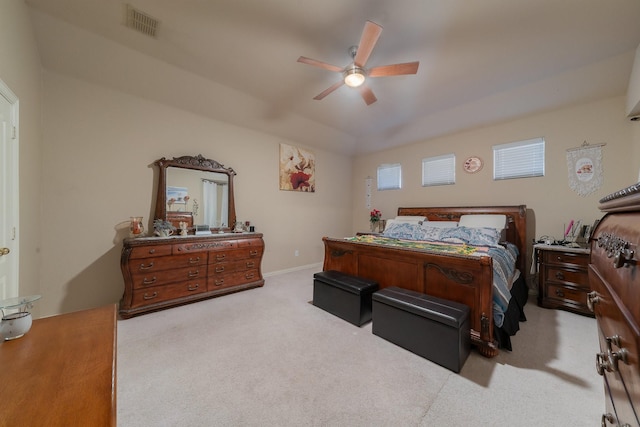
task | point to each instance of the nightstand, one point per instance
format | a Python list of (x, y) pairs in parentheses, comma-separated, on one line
[(563, 280)]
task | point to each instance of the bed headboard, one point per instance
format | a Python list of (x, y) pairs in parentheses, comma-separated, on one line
[(516, 232)]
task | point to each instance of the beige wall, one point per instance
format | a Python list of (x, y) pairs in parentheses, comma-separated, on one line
[(86, 167), (20, 70), (99, 146), (550, 201)]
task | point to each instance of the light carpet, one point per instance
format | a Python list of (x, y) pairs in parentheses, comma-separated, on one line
[(267, 357)]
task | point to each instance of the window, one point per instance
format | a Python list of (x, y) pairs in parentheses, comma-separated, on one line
[(520, 159), (439, 170), (390, 177)]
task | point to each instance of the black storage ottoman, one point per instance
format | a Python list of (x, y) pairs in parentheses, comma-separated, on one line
[(345, 296), (433, 328)]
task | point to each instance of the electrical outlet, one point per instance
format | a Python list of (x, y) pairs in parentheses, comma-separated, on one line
[(296, 252)]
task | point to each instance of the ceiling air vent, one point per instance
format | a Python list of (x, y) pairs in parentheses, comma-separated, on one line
[(141, 22)]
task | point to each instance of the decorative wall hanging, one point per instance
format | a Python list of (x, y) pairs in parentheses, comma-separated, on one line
[(585, 168), (297, 169), (472, 164)]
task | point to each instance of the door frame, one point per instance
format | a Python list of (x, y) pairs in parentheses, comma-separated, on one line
[(13, 187)]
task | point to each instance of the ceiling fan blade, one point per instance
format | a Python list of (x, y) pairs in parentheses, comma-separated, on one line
[(328, 90), (320, 64), (368, 40), (394, 70), (367, 95)]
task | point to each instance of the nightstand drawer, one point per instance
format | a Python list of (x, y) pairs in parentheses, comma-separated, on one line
[(557, 257), (565, 294), (576, 277)]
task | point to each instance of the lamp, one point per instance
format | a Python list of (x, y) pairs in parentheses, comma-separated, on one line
[(354, 76)]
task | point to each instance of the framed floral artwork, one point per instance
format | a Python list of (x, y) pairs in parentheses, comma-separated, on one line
[(297, 169)]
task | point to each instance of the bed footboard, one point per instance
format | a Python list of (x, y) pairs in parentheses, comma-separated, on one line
[(464, 279)]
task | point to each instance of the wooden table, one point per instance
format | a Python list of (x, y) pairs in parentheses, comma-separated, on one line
[(62, 372)]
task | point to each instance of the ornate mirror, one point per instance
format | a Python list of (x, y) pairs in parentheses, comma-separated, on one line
[(197, 191)]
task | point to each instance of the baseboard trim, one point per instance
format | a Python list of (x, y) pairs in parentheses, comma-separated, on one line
[(290, 270)]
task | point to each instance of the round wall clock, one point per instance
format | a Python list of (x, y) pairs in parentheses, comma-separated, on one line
[(472, 164)]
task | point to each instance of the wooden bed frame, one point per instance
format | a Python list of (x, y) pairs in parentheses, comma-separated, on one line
[(465, 279)]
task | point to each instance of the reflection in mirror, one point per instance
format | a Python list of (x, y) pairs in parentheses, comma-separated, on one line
[(203, 194), (197, 191)]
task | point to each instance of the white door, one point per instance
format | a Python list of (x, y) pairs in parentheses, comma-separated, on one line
[(8, 193)]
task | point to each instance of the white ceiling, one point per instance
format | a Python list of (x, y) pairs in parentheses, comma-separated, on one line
[(481, 62)]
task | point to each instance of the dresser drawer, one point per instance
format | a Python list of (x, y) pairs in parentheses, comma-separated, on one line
[(565, 258), (565, 294), (150, 265), (230, 267), (576, 277), (150, 251), (147, 279), (222, 281), (617, 330), (236, 254), (157, 294), (213, 245)]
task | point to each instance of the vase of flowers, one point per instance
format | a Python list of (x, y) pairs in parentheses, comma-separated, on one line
[(374, 220)]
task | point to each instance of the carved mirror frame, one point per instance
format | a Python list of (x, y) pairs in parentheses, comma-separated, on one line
[(195, 163)]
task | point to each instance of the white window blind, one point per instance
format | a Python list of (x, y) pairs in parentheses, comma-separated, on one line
[(390, 177), (439, 170), (520, 159)]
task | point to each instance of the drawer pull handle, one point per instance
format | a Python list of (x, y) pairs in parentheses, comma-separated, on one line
[(253, 252), (608, 417), (152, 251), (194, 261), (559, 258), (249, 276), (219, 282), (250, 264), (592, 299), (146, 267), (219, 269), (193, 274), (220, 257), (193, 288), (560, 293), (148, 297), (559, 275), (609, 361), (151, 281)]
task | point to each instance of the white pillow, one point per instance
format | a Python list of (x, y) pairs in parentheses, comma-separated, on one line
[(499, 222), (441, 224)]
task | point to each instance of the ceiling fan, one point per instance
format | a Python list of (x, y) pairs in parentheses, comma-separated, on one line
[(355, 74)]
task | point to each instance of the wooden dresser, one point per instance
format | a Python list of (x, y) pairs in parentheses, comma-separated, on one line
[(563, 281), (614, 276), (62, 372), (165, 272)]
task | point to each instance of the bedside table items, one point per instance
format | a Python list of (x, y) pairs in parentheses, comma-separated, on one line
[(15, 325), (136, 228), (163, 228), (374, 220)]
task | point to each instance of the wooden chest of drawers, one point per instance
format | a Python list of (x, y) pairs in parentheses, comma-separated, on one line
[(563, 280), (164, 272), (614, 275)]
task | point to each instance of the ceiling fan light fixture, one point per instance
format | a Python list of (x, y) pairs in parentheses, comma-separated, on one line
[(354, 76)]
